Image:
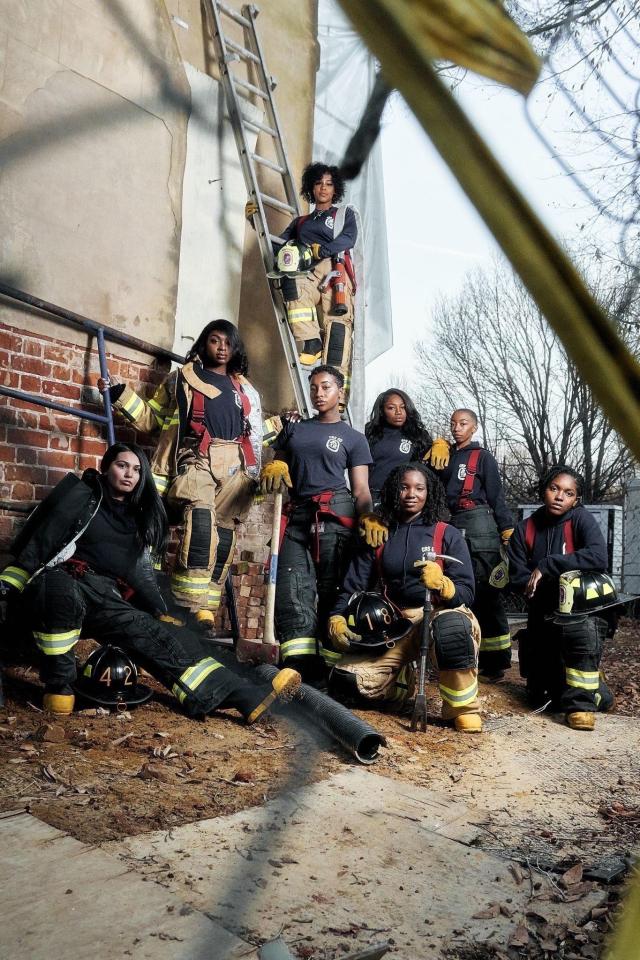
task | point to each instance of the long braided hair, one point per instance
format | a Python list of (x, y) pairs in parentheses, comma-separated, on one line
[(435, 507)]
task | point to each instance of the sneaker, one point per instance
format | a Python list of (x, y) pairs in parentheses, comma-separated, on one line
[(284, 687), (581, 720)]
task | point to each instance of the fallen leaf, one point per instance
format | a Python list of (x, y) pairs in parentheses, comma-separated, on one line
[(148, 772), (51, 733), (519, 937), (50, 773), (573, 875), (493, 910), (243, 776), (116, 743), (516, 873)]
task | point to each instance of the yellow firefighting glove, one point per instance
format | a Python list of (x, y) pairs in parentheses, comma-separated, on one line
[(506, 535), (274, 477), (340, 634), (315, 250), (373, 530), (434, 579), (438, 454), (250, 209)]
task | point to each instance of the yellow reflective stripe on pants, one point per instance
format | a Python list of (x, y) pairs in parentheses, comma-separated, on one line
[(330, 657), (299, 647), (193, 677), (215, 596), (459, 698), (183, 583), (161, 483), (53, 644), (584, 679), (15, 577), (301, 315), (503, 642), (133, 407)]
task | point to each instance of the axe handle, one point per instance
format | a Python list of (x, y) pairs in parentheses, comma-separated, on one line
[(269, 633)]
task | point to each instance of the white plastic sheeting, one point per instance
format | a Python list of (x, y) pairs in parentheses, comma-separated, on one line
[(344, 82)]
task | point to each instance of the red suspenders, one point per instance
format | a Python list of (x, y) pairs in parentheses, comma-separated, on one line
[(199, 428), (464, 500), (567, 533)]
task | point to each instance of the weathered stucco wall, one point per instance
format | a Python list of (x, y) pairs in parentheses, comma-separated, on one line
[(92, 158)]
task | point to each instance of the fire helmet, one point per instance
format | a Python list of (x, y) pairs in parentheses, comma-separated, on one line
[(376, 621), (582, 592), (110, 677), (294, 257)]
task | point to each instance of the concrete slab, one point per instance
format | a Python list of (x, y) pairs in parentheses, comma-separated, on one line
[(62, 898), (345, 863)]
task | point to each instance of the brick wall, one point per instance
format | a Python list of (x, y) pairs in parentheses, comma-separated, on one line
[(39, 446)]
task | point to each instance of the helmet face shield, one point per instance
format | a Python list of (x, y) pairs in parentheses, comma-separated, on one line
[(376, 621), (110, 677)]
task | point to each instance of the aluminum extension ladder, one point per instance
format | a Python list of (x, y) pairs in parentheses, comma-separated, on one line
[(236, 90)]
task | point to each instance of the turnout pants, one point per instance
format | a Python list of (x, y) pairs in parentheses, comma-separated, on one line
[(478, 527), (560, 662), (310, 318), (311, 568), (62, 609), (214, 494), (453, 650)]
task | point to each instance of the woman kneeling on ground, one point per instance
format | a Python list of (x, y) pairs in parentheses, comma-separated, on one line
[(412, 500), (83, 568), (557, 558)]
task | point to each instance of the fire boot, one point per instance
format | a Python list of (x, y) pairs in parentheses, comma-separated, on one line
[(59, 700), (581, 720)]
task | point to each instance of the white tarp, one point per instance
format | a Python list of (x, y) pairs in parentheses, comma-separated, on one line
[(344, 82)]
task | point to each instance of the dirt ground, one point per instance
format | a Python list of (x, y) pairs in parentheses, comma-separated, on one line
[(103, 776)]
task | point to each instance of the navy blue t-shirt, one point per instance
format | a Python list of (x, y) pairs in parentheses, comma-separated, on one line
[(222, 414), (318, 454), (389, 451)]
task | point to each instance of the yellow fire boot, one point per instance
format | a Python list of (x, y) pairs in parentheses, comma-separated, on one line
[(284, 686), (205, 618), (59, 703), (581, 720), (468, 723)]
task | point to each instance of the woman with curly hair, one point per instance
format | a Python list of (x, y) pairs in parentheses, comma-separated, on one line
[(397, 435), (412, 503), (549, 553), (207, 457), (321, 323)]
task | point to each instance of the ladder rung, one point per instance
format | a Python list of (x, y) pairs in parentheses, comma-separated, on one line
[(241, 51), (237, 82), (256, 125), (234, 15), (269, 163), (275, 239), (277, 204)]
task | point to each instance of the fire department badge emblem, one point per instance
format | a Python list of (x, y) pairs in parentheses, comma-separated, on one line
[(333, 444), (329, 223), (405, 446), (462, 471)]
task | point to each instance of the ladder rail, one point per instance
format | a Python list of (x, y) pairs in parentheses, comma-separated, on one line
[(300, 386)]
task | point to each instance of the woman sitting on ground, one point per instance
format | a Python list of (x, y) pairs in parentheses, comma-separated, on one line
[(83, 568)]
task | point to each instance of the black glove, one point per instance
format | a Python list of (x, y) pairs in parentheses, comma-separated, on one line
[(7, 594)]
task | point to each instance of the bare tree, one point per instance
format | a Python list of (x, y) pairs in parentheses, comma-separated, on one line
[(493, 350)]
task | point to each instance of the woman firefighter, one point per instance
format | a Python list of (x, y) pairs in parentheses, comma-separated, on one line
[(83, 568), (411, 503), (320, 302), (211, 431), (311, 457), (558, 558)]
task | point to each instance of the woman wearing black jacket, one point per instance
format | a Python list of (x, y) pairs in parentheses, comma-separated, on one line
[(412, 501), (559, 659), (83, 568)]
